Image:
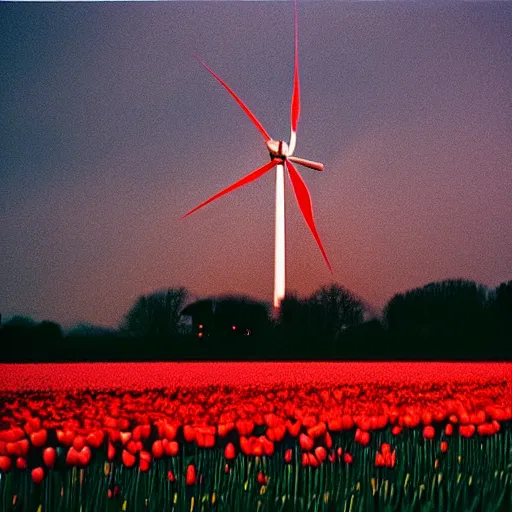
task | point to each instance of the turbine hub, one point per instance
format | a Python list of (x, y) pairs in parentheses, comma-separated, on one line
[(277, 149)]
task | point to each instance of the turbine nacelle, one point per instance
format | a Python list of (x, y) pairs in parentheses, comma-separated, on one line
[(277, 148)]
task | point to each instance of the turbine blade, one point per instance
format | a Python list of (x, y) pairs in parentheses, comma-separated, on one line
[(251, 116), (295, 106), (305, 205), (254, 175), (317, 166)]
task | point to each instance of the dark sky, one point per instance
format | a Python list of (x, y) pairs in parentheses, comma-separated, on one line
[(110, 131)]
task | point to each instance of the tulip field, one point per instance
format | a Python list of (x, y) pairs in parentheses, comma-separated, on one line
[(256, 437)]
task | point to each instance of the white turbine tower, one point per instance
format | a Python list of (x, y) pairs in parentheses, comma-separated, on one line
[(281, 155)]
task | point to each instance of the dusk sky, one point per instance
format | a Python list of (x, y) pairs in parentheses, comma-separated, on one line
[(110, 131)]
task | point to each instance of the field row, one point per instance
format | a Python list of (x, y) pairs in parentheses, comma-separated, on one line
[(21, 377)]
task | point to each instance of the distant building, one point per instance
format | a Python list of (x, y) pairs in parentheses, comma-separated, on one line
[(227, 316)]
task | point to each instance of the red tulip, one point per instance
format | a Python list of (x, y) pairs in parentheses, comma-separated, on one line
[(144, 460), (256, 447), (78, 442), (170, 476), (429, 432), (335, 425), (313, 461), (305, 442), (229, 451), (317, 430), (261, 478), (190, 477), (123, 424), (448, 429), (225, 428), (365, 424), (347, 421), (38, 438), (145, 431), (5, 463), (268, 446), (109, 422), (362, 437), (379, 459), (320, 453), (328, 440), (189, 433), (171, 448), (393, 459), (396, 430), (467, 430), (309, 421), (128, 458), (12, 449), (157, 449), (72, 457), (339, 451), (132, 446), (49, 457), (12, 435), (444, 446), (23, 446), (124, 436), (464, 418), (244, 427), (485, 429), (95, 439), (293, 428), (426, 418), (21, 463), (478, 418), (279, 432), (271, 420), (111, 451), (348, 458), (37, 475), (245, 446), (84, 456), (385, 448), (137, 433), (288, 455), (114, 435)]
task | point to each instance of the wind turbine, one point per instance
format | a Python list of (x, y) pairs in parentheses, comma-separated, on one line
[(281, 155)]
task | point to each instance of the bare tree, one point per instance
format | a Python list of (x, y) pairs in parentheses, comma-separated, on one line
[(332, 309), (157, 315)]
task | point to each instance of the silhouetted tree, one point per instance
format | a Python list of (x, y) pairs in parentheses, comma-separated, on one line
[(331, 310), (157, 316), (21, 321), (48, 330), (86, 329), (441, 319), (500, 308), (292, 329)]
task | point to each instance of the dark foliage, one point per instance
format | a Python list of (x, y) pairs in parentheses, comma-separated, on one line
[(448, 320)]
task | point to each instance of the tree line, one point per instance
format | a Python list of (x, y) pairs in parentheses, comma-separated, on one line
[(446, 320)]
